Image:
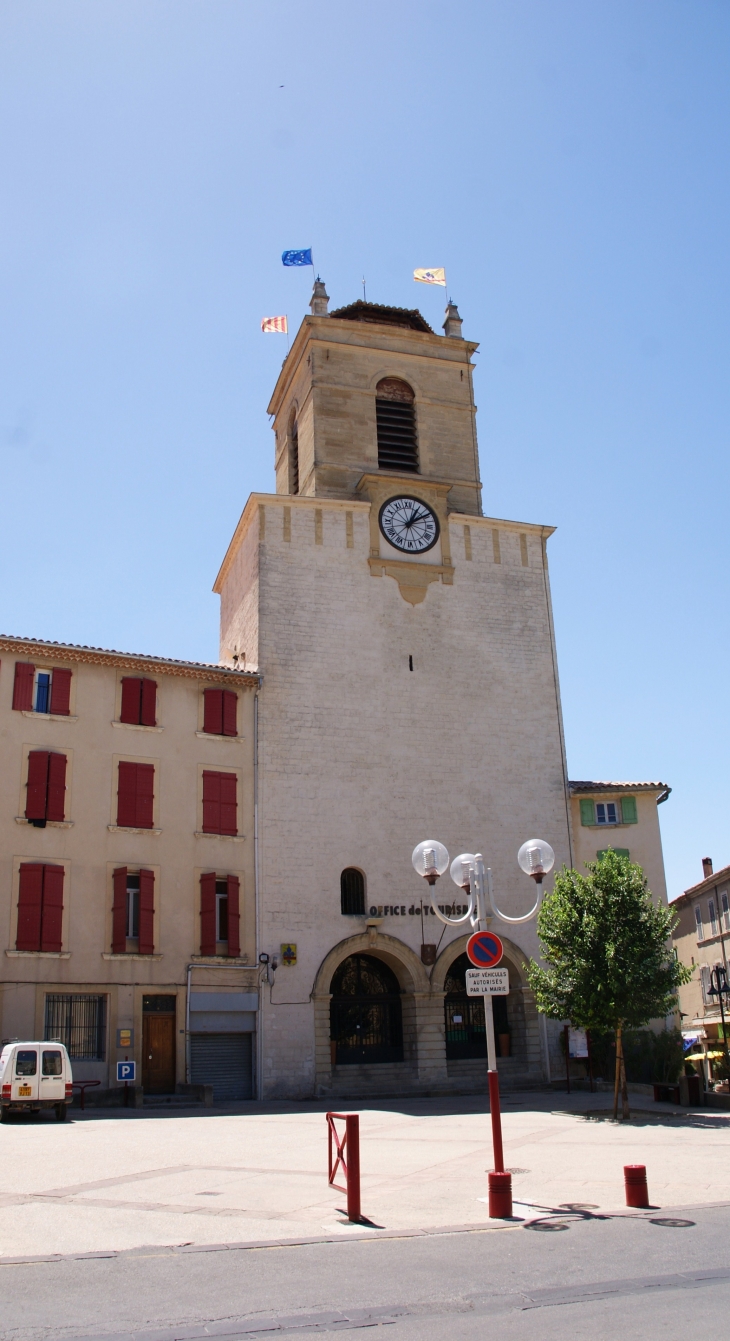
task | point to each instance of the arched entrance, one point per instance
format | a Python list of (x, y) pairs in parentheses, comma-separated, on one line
[(466, 1031), (366, 1017)]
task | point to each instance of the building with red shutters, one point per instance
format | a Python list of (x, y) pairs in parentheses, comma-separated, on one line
[(127, 895)]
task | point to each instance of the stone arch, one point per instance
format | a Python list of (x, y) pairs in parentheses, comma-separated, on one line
[(386, 371), (414, 985)]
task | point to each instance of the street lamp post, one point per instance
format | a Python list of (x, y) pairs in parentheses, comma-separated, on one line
[(431, 860)]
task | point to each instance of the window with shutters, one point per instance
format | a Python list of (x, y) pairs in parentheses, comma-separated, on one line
[(220, 712), (698, 922), (706, 984), (395, 415), (220, 915), (712, 912), (133, 911), (42, 690), (45, 788), (352, 892), (40, 907), (135, 795), (725, 910), (220, 803), (139, 702)]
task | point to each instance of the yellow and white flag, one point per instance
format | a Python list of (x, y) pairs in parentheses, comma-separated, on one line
[(274, 325), (430, 276)]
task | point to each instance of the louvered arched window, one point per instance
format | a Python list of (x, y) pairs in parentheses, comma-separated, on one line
[(293, 456), (396, 418)]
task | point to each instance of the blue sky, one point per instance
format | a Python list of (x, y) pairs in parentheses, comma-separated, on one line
[(566, 162)]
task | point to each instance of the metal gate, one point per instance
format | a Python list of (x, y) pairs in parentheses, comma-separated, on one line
[(224, 1061)]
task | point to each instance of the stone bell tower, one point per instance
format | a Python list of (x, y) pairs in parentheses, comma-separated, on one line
[(409, 684)]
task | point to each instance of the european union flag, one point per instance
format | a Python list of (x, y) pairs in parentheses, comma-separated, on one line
[(303, 257)]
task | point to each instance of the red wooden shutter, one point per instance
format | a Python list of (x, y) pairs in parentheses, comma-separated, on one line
[(30, 902), (56, 802), (145, 796), (229, 821), (230, 713), (37, 784), (23, 687), (211, 803), (148, 707), (146, 910), (127, 796), (131, 694), (61, 693), (52, 916), (213, 711), (119, 911), (234, 916), (207, 914)]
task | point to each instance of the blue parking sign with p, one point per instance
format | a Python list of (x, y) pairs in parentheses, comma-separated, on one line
[(126, 1070)]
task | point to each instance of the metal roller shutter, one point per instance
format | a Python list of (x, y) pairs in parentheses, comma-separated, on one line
[(225, 1062)]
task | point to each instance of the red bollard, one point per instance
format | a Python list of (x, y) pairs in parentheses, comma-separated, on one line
[(637, 1193), (347, 1152), (500, 1196)]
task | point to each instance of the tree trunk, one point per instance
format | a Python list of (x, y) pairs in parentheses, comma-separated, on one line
[(625, 1113), (617, 1079)]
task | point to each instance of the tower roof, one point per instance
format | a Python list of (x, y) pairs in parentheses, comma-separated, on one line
[(410, 318)]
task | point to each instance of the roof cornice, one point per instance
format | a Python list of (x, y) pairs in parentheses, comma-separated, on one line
[(101, 656)]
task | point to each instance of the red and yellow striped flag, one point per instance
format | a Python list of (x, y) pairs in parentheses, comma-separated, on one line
[(271, 325)]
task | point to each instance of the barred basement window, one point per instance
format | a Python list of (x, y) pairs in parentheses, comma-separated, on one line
[(352, 892), (396, 419), (79, 1022)]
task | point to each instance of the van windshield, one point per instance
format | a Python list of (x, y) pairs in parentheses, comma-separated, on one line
[(26, 1062), (52, 1064)]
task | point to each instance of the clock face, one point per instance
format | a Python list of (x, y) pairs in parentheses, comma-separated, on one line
[(409, 525)]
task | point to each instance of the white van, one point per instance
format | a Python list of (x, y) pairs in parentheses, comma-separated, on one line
[(35, 1076)]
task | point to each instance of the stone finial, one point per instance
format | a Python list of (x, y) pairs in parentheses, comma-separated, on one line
[(452, 324), (320, 299)]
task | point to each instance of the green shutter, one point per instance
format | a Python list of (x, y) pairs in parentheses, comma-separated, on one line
[(587, 812), (628, 810), (620, 852)]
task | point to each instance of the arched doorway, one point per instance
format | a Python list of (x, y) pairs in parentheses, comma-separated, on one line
[(366, 1018), (466, 1031)]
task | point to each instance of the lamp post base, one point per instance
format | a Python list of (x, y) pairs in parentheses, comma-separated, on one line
[(500, 1196)]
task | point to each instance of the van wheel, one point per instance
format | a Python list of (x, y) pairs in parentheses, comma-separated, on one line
[(60, 1112)]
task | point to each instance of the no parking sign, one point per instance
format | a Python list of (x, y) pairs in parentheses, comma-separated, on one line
[(484, 949)]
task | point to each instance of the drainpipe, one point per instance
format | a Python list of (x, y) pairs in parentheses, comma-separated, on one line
[(187, 1024)]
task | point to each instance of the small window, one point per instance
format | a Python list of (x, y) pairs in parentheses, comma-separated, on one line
[(352, 892), (706, 984), (606, 812), (52, 1063), (132, 928), (725, 910), (135, 796), (698, 920), (221, 911), (395, 415), (713, 916), (26, 1062), (220, 712), (43, 692)]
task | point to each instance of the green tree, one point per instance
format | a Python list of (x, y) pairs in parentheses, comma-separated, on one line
[(606, 946)]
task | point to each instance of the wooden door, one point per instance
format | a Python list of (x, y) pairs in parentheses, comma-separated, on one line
[(158, 1054)]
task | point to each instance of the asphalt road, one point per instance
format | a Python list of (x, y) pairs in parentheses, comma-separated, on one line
[(666, 1274)]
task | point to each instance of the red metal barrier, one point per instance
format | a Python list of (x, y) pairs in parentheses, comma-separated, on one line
[(348, 1158), (637, 1193)]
